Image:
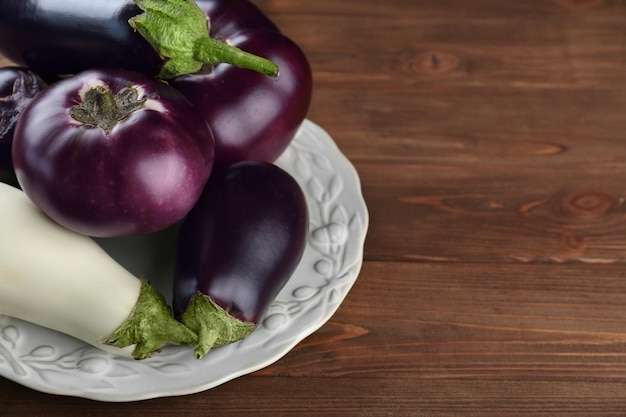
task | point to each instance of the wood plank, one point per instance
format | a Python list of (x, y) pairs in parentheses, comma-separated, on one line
[(496, 213)]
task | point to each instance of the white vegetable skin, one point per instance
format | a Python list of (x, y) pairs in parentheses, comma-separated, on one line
[(59, 279)]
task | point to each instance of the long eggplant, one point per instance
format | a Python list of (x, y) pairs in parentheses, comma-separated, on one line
[(169, 37), (64, 281), (237, 248)]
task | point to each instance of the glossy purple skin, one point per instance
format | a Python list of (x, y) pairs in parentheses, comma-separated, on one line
[(70, 36), (242, 241), (18, 86), (252, 116), (143, 176)]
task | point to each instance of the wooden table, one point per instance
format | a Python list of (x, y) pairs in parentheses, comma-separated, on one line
[(490, 137)]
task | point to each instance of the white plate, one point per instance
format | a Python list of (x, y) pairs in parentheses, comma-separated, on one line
[(55, 363)]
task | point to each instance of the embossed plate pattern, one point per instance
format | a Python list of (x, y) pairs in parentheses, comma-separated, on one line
[(55, 363)]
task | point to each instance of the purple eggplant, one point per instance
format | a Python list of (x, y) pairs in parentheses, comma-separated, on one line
[(112, 153), (236, 250), (164, 37), (18, 86), (70, 36), (253, 117)]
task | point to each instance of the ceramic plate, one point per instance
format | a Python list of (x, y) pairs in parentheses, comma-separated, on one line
[(55, 363)]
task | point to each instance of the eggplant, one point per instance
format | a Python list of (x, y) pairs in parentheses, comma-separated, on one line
[(236, 249), (61, 280), (112, 153), (18, 86), (164, 37), (252, 116), (70, 36)]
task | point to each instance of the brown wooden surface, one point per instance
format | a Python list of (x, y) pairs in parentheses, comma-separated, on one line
[(490, 137)]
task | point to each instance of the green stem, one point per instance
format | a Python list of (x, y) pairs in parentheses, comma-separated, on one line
[(150, 326), (178, 30), (212, 51), (213, 325)]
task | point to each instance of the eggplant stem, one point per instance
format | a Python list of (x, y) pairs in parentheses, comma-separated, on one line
[(211, 51), (213, 325), (150, 326), (178, 30), (102, 108), (25, 87)]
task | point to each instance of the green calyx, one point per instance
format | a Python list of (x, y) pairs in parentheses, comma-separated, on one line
[(213, 325), (101, 108), (150, 326), (178, 30)]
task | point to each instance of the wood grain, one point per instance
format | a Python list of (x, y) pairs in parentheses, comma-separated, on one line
[(490, 138)]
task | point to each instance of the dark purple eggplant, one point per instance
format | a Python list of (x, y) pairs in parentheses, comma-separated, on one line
[(112, 153), (70, 36), (164, 37), (18, 86), (236, 249), (252, 116)]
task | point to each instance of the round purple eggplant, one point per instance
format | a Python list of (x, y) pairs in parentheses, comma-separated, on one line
[(253, 117), (112, 153), (18, 86), (236, 249)]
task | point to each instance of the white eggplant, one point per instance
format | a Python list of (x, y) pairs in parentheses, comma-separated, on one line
[(64, 281)]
